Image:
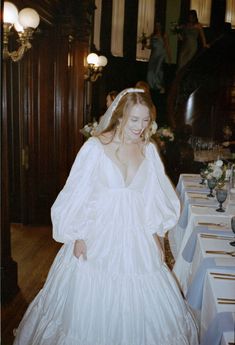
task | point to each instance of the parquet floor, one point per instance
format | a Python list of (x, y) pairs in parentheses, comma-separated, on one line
[(34, 250)]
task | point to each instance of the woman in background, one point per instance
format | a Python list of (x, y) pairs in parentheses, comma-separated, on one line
[(110, 97), (189, 34), (160, 52)]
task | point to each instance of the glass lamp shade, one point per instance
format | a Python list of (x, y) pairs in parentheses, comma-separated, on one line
[(102, 61), (18, 27), (92, 59), (29, 18), (10, 13)]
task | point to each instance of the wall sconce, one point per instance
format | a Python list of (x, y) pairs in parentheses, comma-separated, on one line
[(95, 66), (24, 23)]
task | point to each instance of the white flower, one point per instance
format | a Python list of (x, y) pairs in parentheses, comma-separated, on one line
[(89, 129), (153, 127), (217, 173), (166, 132), (219, 163)]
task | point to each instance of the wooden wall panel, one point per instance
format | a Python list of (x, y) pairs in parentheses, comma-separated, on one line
[(46, 115), (43, 111)]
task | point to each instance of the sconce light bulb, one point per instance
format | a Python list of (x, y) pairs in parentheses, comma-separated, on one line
[(102, 61), (18, 27), (10, 13), (92, 59), (29, 18)]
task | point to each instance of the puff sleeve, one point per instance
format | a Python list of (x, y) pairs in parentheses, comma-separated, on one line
[(68, 213), (162, 209)]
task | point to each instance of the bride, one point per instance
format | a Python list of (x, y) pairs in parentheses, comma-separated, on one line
[(109, 284)]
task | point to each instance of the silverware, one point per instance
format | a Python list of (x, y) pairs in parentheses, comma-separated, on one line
[(223, 278), (221, 300), (217, 237), (224, 302), (206, 206), (217, 224), (194, 185), (222, 252), (223, 274), (198, 197)]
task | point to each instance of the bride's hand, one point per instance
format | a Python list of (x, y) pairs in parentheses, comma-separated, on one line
[(80, 249)]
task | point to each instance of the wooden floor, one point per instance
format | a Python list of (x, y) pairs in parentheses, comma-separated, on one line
[(34, 250)]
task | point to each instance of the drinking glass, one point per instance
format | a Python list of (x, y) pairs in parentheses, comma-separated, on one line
[(233, 229), (221, 195), (211, 185), (203, 176)]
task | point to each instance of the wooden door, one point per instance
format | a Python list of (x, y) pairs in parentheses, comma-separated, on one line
[(46, 95)]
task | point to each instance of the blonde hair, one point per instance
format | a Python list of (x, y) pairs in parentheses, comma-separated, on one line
[(122, 111)]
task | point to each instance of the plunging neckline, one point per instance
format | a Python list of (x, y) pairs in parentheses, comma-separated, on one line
[(120, 173), (118, 169)]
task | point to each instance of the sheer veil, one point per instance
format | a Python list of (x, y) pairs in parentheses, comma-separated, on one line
[(105, 120)]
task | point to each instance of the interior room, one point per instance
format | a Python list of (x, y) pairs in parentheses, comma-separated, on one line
[(63, 64)]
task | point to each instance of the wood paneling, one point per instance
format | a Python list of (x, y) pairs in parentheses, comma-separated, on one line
[(43, 111), (46, 97), (8, 267)]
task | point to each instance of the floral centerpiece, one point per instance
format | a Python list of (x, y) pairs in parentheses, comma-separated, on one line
[(217, 170), (88, 129)]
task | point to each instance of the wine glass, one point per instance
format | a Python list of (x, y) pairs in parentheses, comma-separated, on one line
[(221, 195), (233, 229), (211, 185), (203, 176)]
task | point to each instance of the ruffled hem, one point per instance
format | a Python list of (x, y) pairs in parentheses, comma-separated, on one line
[(58, 336), (108, 310)]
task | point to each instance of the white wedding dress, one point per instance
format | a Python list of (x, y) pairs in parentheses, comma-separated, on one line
[(123, 294)]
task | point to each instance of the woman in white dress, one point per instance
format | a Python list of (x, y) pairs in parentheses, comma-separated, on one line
[(109, 284)]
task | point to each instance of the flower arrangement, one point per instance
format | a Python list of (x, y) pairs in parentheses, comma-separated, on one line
[(89, 129), (143, 39), (165, 134), (218, 171)]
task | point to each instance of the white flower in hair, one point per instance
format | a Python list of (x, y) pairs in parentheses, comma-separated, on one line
[(153, 127)]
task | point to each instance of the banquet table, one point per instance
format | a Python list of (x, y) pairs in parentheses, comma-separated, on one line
[(201, 229), (218, 309)]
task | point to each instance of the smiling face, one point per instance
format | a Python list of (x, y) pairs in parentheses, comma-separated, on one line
[(131, 117), (137, 121)]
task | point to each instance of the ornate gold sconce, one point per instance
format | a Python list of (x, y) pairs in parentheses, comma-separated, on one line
[(95, 66), (24, 23)]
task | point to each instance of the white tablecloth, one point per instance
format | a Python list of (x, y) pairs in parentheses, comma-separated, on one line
[(194, 211), (193, 264), (213, 313)]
